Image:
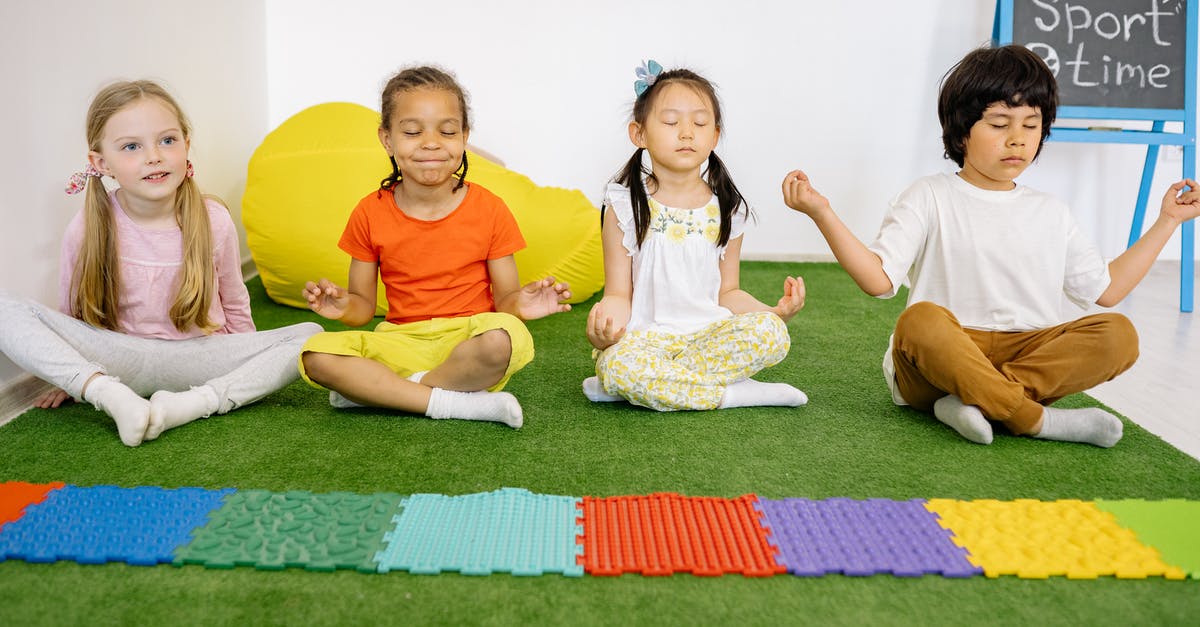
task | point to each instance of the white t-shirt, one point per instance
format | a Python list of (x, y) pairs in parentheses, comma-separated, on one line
[(999, 261), (676, 270)]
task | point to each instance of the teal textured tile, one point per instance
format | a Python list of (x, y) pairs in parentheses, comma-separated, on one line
[(509, 530)]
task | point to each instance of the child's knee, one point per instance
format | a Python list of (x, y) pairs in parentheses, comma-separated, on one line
[(305, 330), (922, 321), (318, 366), (494, 349), (1120, 339), (773, 332), (615, 369)]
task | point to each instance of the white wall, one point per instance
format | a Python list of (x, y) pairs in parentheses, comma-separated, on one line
[(58, 53), (844, 90)]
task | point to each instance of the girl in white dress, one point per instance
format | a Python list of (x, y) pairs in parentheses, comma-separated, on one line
[(674, 329)]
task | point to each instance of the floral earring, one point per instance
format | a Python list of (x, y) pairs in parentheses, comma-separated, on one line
[(190, 170)]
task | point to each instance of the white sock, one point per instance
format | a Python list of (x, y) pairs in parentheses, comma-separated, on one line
[(130, 411), (1091, 425), (171, 409), (595, 392), (488, 406), (967, 420), (341, 402), (751, 393)]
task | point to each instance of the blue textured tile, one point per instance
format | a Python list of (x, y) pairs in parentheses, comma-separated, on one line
[(141, 526)]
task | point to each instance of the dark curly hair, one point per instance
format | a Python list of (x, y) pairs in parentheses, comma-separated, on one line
[(1011, 74), (422, 77)]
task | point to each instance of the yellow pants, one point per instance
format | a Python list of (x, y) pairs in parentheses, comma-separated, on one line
[(417, 346), (668, 372)]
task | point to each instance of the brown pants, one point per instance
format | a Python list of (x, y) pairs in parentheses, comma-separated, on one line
[(1008, 375)]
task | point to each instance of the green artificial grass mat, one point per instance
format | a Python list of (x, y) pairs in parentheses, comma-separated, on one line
[(850, 440)]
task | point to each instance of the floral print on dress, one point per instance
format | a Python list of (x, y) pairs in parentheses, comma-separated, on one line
[(679, 224), (670, 372)]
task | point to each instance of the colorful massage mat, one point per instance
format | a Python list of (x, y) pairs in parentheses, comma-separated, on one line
[(516, 531)]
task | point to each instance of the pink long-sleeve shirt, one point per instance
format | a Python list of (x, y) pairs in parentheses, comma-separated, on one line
[(150, 261)]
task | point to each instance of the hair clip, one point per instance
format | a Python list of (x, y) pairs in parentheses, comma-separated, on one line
[(647, 73), (78, 181)]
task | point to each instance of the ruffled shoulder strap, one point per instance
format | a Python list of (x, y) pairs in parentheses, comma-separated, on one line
[(617, 197), (737, 223)]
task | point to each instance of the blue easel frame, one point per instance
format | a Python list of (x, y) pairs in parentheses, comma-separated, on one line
[(1002, 34)]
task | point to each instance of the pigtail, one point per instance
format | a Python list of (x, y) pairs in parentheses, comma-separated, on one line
[(729, 199), (631, 177), (392, 179), (462, 177), (96, 278), (196, 278)]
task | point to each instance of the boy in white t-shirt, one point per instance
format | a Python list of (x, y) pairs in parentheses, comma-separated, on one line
[(984, 338)]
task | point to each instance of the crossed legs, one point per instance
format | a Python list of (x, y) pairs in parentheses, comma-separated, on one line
[(1009, 377)]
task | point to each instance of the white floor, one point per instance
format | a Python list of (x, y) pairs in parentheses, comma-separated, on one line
[(1161, 392)]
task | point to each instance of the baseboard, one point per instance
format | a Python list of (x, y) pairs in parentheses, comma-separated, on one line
[(18, 396), (249, 270), (789, 257)]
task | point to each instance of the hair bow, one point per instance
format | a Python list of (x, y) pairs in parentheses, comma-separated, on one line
[(78, 181), (647, 73)]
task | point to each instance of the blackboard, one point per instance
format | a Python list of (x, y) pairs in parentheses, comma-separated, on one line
[(1120, 60), (1109, 53)]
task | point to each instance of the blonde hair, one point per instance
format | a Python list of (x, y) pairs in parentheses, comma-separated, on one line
[(97, 277)]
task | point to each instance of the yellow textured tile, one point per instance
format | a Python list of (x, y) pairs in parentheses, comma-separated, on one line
[(1039, 539)]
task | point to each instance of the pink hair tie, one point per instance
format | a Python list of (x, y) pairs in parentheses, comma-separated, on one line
[(78, 181)]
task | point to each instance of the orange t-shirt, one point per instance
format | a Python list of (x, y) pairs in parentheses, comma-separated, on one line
[(438, 268)]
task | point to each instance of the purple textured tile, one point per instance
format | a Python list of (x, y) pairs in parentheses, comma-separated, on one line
[(860, 538)]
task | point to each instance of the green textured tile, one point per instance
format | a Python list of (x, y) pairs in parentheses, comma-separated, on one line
[(1171, 526), (295, 529)]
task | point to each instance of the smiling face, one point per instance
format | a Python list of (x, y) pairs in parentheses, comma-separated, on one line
[(680, 131), (426, 136), (144, 148), (1001, 145)]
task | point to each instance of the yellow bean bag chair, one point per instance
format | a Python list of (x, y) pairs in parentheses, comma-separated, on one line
[(308, 174)]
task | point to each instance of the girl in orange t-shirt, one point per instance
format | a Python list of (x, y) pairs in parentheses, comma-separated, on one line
[(444, 250)]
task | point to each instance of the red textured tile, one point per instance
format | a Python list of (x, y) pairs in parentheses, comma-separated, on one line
[(15, 496), (666, 533)]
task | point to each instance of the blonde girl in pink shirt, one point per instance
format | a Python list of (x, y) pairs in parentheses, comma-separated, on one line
[(151, 293)]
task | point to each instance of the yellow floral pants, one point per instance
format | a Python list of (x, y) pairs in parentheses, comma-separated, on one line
[(669, 372)]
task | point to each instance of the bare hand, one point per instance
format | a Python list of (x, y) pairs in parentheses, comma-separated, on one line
[(606, 322), (799, 194), (1180, 205), (51, 399), (542, 298), (327, 298), (792, 300)]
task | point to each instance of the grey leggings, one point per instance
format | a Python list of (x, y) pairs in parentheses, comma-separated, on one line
[(66, 352)]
